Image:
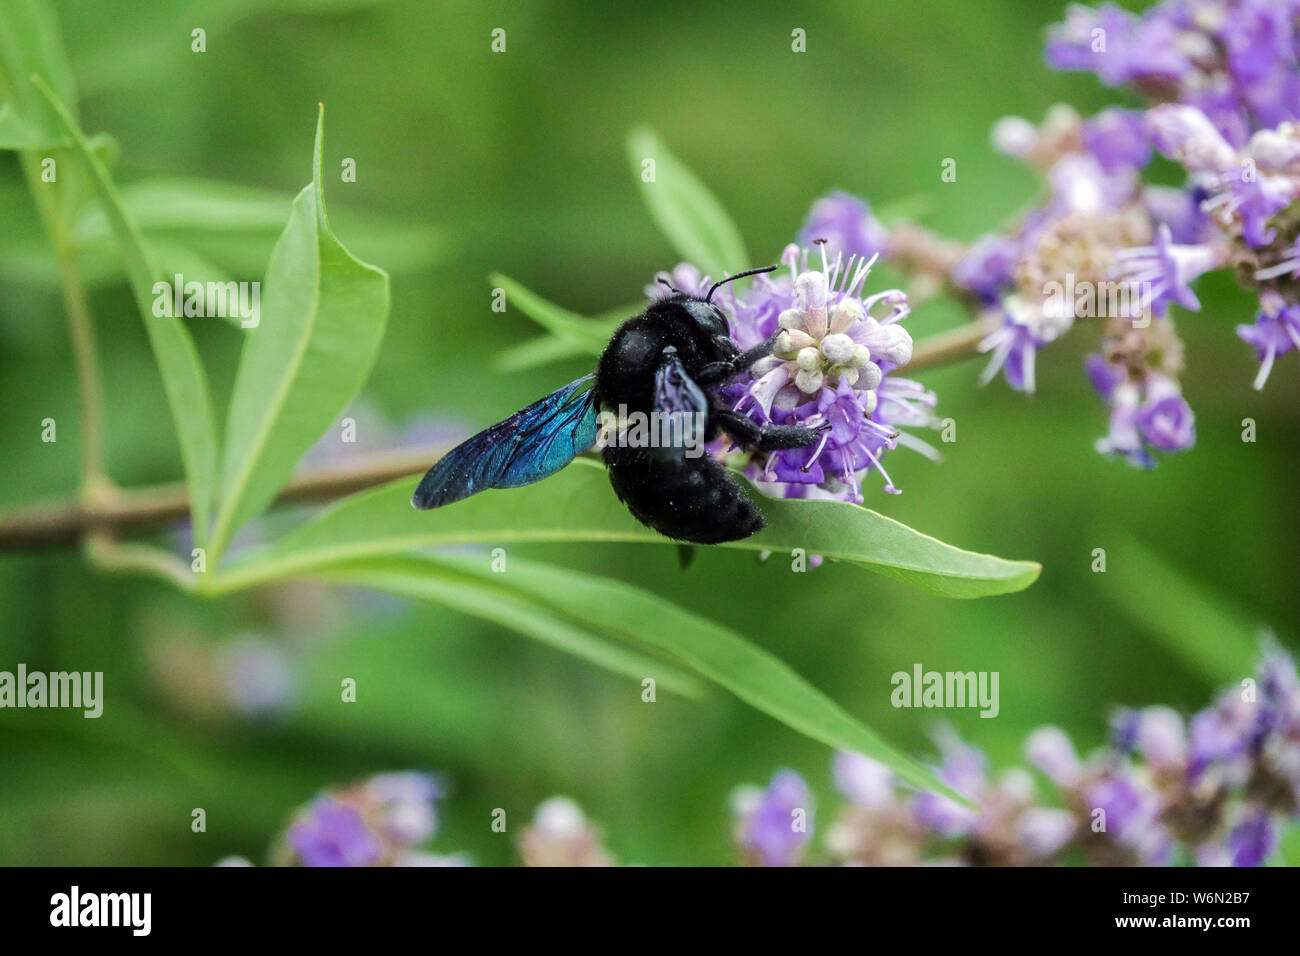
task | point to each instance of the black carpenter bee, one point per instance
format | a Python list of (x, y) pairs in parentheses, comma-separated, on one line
[(669, 361)]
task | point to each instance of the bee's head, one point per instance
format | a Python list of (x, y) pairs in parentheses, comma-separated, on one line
[(704, 313), (707, 316)]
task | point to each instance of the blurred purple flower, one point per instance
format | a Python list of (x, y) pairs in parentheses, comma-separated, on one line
[(846, 224), (378, 822), (334, 833), (1117, 138), (1165, 270), (1276, 331), (1253, 840), (1144, 415), (1118, 46), (988, 267), (775, 824)]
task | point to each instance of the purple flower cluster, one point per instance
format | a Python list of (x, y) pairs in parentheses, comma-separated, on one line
[(380, 822), (836, 349), (1147, 414), (1222, 78), (1221, 83), (1215, 790), (1235, 61), (1102, 247)]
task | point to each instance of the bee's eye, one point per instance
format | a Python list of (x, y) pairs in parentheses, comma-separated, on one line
[(708, 317)]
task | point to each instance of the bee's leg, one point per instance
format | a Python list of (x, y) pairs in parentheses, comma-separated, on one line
[(750, 434), (716, 372)]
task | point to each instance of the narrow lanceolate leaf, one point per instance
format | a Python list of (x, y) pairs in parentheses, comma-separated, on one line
[(31, 44), (587, 335), (1195, 624), (16, 132), (539, 350), (183, 377), (236, 226), (495, 598), (642, 618), (578, 505), (689, 216), (322, 319)]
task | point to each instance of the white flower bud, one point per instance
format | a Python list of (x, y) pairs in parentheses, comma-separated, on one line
[(809, 382), (808, 359), (791, 319), (810, 294), (861, 354), (1014, 136), (845, 315), (869, 376), (560, 817), (1162, 736), (889, 343), (810, 291), (817, 322), (792, 340), (1274, 150), (838, 348), (1186, 134)]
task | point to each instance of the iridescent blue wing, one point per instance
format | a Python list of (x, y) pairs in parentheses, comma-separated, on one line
[(680, 402), (531, 444)]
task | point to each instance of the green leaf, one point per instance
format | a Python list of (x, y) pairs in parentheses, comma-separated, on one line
[(541, 350), (183, 377), (496, 598), (17, 133), (30, 43), (586, 335), (578, 505), (643, 618), (849, 532), (176, 258), (1186, 616), (194, 204), (323, 317), (236, 226), (572, 336), (689, 216)]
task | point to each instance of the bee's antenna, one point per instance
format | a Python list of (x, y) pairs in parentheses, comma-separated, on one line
[(738, 275), (671, 287)]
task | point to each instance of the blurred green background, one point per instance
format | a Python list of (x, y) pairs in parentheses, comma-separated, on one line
[(469, 163)]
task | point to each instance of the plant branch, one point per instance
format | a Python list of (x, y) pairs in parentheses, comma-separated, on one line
[(81, 328), (155, 506), (106, 552), (158, 505), (944, 348)]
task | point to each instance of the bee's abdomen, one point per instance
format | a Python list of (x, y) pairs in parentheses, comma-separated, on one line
[(691, 499)]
